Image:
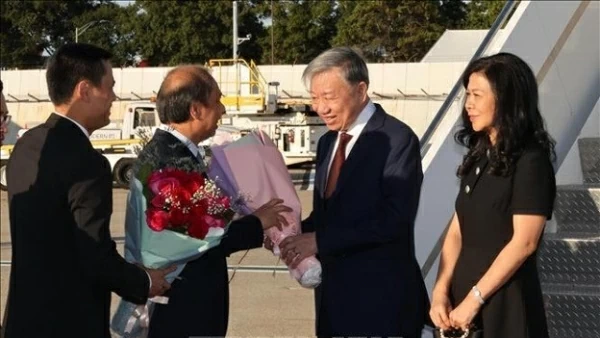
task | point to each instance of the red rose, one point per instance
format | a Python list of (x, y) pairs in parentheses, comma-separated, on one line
[(177, 217), (193, 182), (157, 219), (198, 228), (158, 201), (167, 180), (177, 187), (163, 185), (182, 195)]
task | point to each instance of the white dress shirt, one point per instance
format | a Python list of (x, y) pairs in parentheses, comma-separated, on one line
[(355, 130), (85, 132)]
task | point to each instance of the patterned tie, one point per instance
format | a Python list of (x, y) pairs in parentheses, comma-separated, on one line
[(336, 166), (201, 161)]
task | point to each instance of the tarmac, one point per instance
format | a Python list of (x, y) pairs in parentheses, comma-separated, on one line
[(263, 302)]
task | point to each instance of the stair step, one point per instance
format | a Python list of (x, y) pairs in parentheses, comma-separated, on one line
[(577, 209), (573, 311), (589, 153), (569, 261), (572, 332), (571, 289)]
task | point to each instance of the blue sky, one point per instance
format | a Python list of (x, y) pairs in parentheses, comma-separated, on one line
[(124, 2)]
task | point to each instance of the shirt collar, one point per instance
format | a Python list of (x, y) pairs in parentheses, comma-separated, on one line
[(85, 132), (361, 121), (197, 151)]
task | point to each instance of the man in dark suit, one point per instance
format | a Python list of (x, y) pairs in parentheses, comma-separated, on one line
[(64, 263), (189, 105), (367, 187)]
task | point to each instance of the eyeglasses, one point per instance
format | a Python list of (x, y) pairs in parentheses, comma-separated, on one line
[(5, 119)]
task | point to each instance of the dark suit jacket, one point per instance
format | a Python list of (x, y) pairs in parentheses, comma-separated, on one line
[(371, 281), (199, 302), (64, 263)]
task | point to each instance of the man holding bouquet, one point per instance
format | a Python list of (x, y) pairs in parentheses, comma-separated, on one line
[(189, 106), (367, 187)]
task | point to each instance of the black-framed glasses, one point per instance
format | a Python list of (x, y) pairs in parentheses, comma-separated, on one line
[(5, 119)]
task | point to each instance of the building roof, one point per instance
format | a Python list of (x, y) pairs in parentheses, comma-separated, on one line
[(456, 46)]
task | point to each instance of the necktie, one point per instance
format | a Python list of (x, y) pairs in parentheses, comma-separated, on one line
[(200, 155), (336, 165)]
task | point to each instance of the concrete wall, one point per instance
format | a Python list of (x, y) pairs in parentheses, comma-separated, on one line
[(416, 80), (416, 113), (386, 78)]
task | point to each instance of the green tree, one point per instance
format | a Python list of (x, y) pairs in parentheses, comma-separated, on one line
[(389, 31), (299, 30), (30, 28), (113, 31), (17, 48), (481, 14), (175, 32), (453, 14)]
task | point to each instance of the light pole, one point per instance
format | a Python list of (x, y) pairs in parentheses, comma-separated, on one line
[(80, 30), (236, 39)]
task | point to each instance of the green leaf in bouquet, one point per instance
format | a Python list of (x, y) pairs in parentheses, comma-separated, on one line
[(143, 174), (228, 215)]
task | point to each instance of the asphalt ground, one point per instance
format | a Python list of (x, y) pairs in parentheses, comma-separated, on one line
[(264, 300)]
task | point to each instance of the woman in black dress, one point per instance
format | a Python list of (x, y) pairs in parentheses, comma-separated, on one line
[(488, 274)]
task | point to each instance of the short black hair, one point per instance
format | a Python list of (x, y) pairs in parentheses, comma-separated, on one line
[(71, 64), (1, 86), (173, 104)]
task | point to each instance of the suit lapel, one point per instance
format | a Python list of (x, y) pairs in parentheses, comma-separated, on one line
[(176, 148), (360, 149), (321, 178)]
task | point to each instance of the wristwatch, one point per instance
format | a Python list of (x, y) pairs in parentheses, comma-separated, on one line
[(477, 294)]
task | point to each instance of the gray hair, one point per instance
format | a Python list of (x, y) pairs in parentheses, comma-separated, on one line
[(353, 66)]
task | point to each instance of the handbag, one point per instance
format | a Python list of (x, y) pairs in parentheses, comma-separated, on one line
[(458, 333)]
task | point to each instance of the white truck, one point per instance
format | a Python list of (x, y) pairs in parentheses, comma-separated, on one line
[(120, 153), (250, 102), (119, 145), (117, 142)]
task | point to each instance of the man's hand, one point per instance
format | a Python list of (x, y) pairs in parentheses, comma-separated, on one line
[(159, 283), (295, 248), (268, 243), (270, 214)]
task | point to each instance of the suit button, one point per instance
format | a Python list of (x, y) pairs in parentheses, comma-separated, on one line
[(477, 171), (467, 189)]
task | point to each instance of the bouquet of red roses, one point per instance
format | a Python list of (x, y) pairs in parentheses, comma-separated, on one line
[(173, 216), (185, 202)]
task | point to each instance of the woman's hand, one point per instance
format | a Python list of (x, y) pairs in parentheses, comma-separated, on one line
[(440, 309), (462, 316)]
